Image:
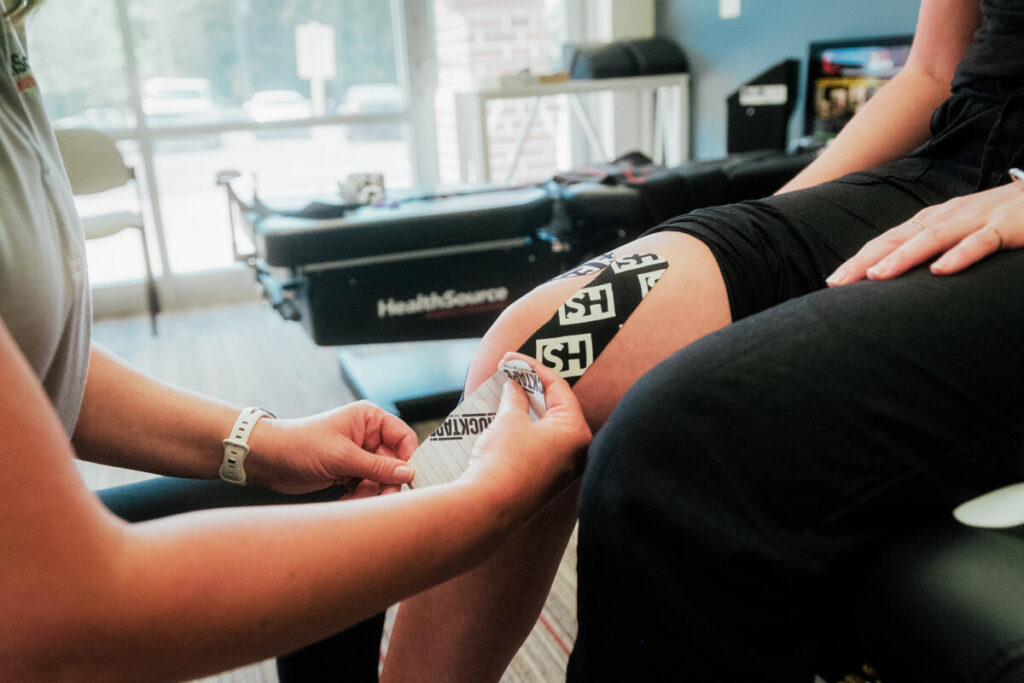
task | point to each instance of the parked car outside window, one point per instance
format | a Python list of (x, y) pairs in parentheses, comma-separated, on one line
[(181, 102), (279, 105), (373, 98)]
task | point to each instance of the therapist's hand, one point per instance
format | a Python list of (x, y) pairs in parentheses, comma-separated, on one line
[(358, 445), (964, 230), (522, 462)]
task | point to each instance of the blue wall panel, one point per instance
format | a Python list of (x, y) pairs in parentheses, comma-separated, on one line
[(724, 54)]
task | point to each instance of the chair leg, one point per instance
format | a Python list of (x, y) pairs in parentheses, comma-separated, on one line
[(154, 304), (152, 297)]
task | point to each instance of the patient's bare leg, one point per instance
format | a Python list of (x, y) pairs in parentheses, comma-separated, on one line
[(470, 628)]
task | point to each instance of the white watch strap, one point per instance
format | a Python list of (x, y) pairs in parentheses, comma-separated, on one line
[(236, 446)]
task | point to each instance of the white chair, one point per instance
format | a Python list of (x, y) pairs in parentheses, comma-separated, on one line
[(94, 164)]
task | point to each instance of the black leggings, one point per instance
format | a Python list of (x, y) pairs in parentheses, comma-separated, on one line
[(350, 656), (741, 481)]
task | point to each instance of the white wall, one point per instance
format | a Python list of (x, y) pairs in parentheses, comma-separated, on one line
[(607, 21)]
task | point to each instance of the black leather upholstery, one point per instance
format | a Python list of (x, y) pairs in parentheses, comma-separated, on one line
[(602, 215), (409, 226), (943, 603)]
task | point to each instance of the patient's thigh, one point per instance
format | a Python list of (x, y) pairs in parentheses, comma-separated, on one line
[(688, 302), (849, 402)]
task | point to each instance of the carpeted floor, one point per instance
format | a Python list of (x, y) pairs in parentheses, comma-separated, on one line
[(247, 355)]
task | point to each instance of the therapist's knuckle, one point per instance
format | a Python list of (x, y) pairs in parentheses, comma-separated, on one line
[(379, 469), (363, 404)]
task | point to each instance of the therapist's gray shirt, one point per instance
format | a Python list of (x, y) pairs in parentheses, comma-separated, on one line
[(44, 292)]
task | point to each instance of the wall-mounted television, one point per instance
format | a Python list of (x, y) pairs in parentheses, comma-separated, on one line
[(842, 75)]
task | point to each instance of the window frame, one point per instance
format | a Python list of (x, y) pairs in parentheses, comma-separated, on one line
[(413, 40)]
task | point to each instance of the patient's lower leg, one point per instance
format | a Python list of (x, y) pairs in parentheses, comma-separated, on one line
[(469, 628)]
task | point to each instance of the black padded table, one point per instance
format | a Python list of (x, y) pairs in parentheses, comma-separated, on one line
[(427, 276), (417, 270), (439, 268)]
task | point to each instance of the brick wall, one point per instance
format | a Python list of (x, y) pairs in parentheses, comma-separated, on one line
[(479, 40)]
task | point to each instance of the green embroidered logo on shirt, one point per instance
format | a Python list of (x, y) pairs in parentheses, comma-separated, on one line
[(19, 64), (23, 77)]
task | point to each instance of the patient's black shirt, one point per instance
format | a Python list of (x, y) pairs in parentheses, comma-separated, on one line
[(995, 60)]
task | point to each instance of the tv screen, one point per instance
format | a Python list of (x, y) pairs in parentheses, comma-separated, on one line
[(843, 75)]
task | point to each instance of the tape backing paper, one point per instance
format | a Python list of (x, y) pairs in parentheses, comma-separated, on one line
[(444, 455)]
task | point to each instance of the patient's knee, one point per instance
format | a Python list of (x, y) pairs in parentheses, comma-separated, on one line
[(675, 304), (517, 323)]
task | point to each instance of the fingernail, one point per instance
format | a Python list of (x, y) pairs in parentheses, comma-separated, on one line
[(876, 272), (404, 473), (940, 266), (837, 277)]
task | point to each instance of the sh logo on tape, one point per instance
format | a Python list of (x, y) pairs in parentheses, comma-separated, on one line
[(579, 331)]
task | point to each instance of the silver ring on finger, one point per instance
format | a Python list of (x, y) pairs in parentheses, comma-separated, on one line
[(917, 224), (999, 246)]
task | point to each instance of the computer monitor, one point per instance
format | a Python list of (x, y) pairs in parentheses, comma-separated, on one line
[(842, 75)]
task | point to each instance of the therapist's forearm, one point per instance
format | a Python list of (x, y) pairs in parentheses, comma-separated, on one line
[(131, 420), (264, 582), (188, 596)]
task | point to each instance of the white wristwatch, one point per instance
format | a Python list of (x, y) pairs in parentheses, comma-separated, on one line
[(236, 446)]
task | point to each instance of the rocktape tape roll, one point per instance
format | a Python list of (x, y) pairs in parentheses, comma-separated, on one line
[(569, 343)]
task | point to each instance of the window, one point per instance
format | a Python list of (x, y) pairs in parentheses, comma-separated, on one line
[(479, 42), (194, 87)]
